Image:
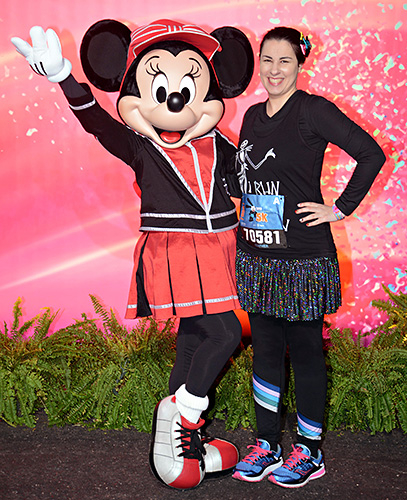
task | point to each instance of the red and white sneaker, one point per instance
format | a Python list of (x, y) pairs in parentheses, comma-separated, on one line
[(220, 456), (176, 453)]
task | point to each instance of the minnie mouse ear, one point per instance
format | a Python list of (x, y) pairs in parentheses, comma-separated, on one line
[(103, 54), (234, 64)]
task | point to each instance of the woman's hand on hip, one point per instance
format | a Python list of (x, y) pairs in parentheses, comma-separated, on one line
[(315, 213)]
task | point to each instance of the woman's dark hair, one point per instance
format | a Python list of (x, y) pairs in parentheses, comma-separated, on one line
[(300, 44)]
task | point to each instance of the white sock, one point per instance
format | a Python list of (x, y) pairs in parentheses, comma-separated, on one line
[(190, 406)]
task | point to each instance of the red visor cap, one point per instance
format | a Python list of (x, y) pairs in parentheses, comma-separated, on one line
[(164, 29)]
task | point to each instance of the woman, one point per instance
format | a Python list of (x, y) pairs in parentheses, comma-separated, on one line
[(287, 268)]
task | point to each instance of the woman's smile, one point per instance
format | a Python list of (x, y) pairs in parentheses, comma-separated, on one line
[(279, 70)]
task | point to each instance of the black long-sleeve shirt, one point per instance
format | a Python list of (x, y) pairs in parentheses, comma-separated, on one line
[(280, 159)]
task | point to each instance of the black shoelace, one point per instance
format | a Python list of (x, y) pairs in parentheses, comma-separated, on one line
[(191, 444)]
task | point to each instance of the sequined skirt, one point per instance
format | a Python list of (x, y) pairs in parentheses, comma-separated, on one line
[(297, 289)]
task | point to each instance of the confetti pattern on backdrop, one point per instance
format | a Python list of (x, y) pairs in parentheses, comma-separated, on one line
[(69, 215)]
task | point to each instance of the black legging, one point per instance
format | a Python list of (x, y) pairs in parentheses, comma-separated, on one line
[(204, 345), (271, 337)]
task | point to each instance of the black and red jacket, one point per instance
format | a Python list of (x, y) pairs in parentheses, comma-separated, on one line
[(173, 196)]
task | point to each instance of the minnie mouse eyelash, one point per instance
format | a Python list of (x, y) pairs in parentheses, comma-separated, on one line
[(153, 70), (195, 72)]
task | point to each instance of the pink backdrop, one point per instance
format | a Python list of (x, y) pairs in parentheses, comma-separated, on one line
[(69, 215)]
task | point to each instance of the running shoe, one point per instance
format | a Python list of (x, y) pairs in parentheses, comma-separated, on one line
[(299, 468), (260, 462)]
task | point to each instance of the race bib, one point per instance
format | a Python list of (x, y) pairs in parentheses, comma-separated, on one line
[(261, 221)]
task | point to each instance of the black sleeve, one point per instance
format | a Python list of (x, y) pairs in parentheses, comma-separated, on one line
[(118, 139), (227, 167), (326, 123)]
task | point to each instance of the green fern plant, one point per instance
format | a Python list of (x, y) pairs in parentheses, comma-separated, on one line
[(21, 377), (393, 333), (137, 377), (119, 376), (72, 362), (112, 376), (367, 381)]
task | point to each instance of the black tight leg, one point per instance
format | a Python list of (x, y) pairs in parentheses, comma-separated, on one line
[(271, 337), (204, 345), (269, 352), (308, 361)]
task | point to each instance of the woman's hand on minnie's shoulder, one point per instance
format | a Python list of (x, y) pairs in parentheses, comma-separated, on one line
[(318, 213)]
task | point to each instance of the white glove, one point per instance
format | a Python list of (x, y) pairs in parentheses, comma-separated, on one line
[(45, 55)]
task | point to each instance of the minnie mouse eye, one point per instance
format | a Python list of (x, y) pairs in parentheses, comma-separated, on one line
[(159, 88), (187, 89)]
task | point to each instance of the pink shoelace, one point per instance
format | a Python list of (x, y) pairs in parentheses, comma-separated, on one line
[(295, 458), (257, 452)]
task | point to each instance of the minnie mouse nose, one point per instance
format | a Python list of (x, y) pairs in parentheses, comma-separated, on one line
[(176, 102)]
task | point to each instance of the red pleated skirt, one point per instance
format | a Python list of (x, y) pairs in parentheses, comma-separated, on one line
[(183, 274)]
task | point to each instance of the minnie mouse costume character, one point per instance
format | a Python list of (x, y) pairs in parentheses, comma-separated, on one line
[(171, 79)]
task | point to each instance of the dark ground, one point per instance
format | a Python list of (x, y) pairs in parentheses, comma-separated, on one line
[(73, 463)]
